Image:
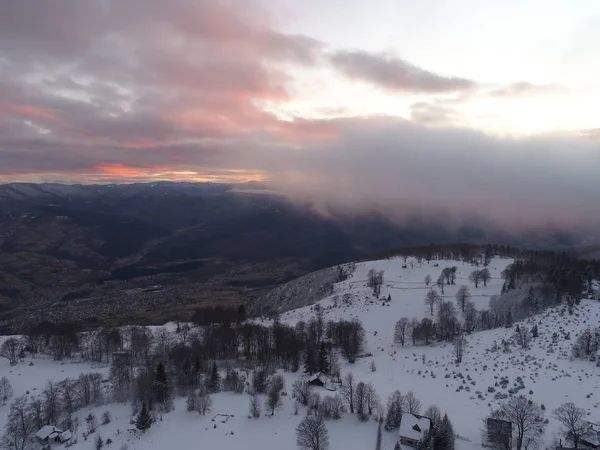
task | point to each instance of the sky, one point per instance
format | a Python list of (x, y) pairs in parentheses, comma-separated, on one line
[(458, 106)]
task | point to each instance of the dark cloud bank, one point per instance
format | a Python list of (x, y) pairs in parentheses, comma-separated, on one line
[(112, 90)]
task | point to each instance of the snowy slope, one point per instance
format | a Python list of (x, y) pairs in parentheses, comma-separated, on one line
[(553, 377), (545, 369), (407, 289)]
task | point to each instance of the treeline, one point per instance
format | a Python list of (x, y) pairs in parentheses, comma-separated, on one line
[(207, 315), (457, 251)]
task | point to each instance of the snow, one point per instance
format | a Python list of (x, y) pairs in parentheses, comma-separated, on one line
[(430, 371), (546, 369), (409, 425), (46, 431)]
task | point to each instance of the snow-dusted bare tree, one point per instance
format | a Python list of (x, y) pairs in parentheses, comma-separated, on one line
[(412, 403), (527, 419), (475, 277), (301, 391), (401, 330), (348, 389), (254, 406), (463, 295), (312, 434), (574, 426), (427, 279), (10, 350), (431, 299), (6, 390), (460, 345)]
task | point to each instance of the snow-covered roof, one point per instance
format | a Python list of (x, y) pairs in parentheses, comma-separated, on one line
[(64, 436), (593, 436), (319, 376), (46, 431), (414, 427)]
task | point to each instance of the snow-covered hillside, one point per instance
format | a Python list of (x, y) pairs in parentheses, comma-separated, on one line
[(469, 390), (545, 372), (352, 298)]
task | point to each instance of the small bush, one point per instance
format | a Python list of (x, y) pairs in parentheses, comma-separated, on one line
[(106, 418)]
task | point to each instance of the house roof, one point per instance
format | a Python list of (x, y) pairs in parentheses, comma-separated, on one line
[(593, 436), (318, 376), (414, 427), (64, 436), (46, 431)]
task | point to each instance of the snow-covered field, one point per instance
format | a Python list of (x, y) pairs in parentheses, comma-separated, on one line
[(549, 375)]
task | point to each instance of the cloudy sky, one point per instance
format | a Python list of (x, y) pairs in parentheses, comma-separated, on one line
[(479, 107)]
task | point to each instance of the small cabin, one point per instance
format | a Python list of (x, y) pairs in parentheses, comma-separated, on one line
[(499, 432), (318, 379), (413, 428), (48, 435)]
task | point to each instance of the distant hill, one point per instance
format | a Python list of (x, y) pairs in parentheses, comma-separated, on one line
[(147, 253)]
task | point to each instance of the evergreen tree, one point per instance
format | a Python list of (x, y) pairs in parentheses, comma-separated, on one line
[(143, 420), (323, 360), (310, 361), (296, 362), (161, 385), (198, 368), (214, 382), (394, 411), (443, 437), (425, 442)]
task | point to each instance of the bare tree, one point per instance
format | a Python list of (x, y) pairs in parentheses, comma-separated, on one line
[(431, 299), (277, 382), (360, 399), (371, 398), (36, 407), (470, 316), (463, 295), (312, 434), (400, 330), (19, 426), (51, 396), (412, 403), (475, 277), (273, 401), (301, 391), (435, 414), (427, 279), (585, 345), (200, 400), (527, 418), (254, 406), (332, 407), (441, 283), (6, 390), (68, 397), (347, 390), (460, 344), (448, 324), (375, 281), (572, 419), (485, 276), (10, 350)]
